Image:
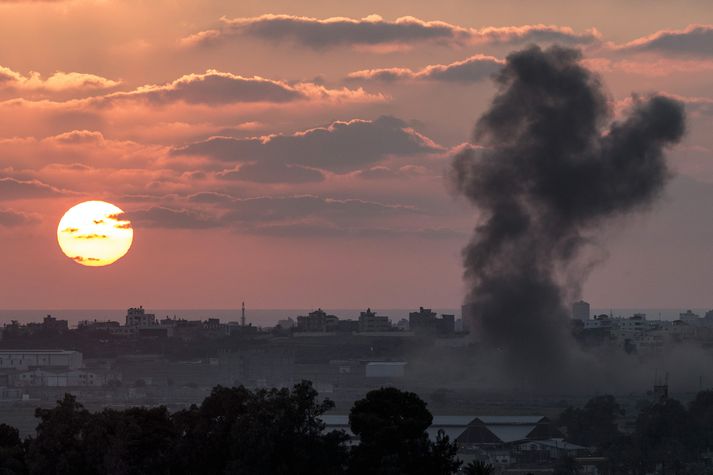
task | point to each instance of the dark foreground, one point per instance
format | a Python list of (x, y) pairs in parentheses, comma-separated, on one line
[(280, 431)]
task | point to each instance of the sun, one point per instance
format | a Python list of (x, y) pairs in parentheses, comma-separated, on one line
[(95, 233)]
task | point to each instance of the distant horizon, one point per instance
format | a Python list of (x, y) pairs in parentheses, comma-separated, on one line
[(270, 316)]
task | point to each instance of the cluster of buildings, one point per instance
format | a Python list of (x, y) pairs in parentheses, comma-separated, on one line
[(140, 323), (638, 334), (21, 370), (423, 322)]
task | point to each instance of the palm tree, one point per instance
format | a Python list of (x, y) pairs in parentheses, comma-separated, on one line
[(478, 467)]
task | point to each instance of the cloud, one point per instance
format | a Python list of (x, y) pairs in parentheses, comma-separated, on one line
[(10, 218), (339, 147), (77, 137), (272, 172), (373, 31), (91, 236), (215, 88), (292, 215), (171, 218), (12, 189), (473, 69), (280, 208), (695, 40), (57, 82)]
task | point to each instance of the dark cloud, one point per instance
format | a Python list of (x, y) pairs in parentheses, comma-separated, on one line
[(91, 236), (292, 230), (272, 172), (85, 259), (473, 69), (374, 31), (552, 175), (696, 40), (281, 215), (12, 189), (10, 218), (210, 197), (340, 147), (161, 217), (278, 208)]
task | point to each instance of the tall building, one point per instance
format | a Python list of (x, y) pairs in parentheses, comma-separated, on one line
[(580, 310), (427, 321), (137, 317), (371, 322), (317, 321)]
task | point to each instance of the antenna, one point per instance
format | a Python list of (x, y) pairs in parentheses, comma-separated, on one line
[(242, 317)]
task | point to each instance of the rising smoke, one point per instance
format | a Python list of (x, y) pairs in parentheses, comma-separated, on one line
[(553, 171)]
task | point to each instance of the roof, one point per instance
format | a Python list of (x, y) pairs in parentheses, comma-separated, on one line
[(557, 444), (475, 429)]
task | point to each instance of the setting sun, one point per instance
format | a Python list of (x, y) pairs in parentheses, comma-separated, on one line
[(94, 233)]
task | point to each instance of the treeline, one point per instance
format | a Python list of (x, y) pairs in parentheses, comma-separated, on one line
[(233, 431), (667, 437)]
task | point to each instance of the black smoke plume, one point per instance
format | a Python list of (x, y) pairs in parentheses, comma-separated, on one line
[(553, 171)]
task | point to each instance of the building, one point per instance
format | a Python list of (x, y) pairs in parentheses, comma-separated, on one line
[(385, 369), (98, 325), (580, 311), (370, 322), (426, 321), (27, 359), (318, 321), (59, 377), (137, 317)]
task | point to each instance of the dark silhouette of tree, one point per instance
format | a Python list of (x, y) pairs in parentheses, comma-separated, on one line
[(567, 466), (664, 435), (58, 448), (276, 431), (595, 424), (391, 426), (701, 416), (134, 441), (12, 452), (478, 467)]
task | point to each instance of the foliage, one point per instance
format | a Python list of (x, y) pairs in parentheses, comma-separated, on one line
[(391, 426), (478, 467)]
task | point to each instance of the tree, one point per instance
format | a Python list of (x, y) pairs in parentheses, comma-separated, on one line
[(134, 441), (391, 425), (700, 411), (595, 424), (276, 431), (58, 448), (664, 435), (12, 452), (478, 467)]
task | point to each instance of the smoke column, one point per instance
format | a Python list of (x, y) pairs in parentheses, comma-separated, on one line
[(553, 171)]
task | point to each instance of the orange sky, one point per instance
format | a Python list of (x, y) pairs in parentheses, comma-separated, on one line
[(293, 154)]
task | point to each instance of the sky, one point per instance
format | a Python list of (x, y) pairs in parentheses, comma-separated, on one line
[(296, 154)]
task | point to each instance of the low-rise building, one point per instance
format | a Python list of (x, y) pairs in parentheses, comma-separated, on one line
[(26, 359)]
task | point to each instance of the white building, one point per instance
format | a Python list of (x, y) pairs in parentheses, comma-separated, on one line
[(386, 369), (26, 359), (137, 317), (56, 377)]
